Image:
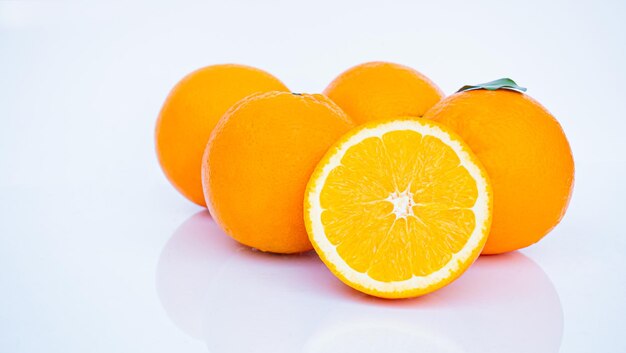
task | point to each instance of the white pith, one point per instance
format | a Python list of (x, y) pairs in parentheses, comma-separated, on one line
[(400, 200)]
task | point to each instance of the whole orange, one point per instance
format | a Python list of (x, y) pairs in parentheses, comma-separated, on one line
[(190, 112), (258, 161), (526, 154), (382, 90)]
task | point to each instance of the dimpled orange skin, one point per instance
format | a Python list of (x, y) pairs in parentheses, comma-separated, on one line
[(526, 154), (382, 90), (190, 112), (258, 161)]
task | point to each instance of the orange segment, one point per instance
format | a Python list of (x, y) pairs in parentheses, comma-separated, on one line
[(398, 208)]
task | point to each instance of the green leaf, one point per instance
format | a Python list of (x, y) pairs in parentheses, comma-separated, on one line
[(503, 83)]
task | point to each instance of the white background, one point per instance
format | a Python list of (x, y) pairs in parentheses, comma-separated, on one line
[(99, 254)]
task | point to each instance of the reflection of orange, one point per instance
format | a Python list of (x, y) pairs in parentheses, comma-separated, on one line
[(381, 90), (507, 299), (526, 155), (199, 280), (258, 161), (191, 111), (189, 262)]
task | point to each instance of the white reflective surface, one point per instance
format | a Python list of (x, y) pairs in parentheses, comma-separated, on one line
[(98, 253), (292, 303)]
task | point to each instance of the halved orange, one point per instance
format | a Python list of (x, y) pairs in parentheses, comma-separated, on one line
[(398, 208)]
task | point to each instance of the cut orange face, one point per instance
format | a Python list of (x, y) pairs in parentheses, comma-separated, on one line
[(398, 208)]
